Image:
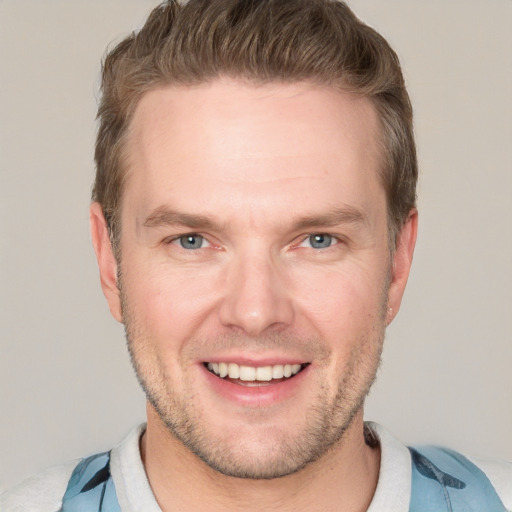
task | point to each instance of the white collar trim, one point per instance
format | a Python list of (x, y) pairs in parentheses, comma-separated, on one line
[(392, 494)]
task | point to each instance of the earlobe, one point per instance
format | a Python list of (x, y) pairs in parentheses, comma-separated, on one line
[(107, 263), (401, 264)]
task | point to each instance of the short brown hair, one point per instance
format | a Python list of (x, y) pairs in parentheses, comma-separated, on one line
[(319, 41)]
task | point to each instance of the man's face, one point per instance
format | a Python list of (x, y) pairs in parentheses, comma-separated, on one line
[(254, 243)]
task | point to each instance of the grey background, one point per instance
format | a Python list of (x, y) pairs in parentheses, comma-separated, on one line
[(66, 385)]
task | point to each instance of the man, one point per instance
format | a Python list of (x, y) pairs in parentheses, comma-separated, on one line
[(254, 222)]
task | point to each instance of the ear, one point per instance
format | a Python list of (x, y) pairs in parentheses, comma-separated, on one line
[(401, 263), (106, 261)]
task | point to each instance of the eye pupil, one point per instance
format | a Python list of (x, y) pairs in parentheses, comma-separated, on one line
[(191, 241), (320, 241)]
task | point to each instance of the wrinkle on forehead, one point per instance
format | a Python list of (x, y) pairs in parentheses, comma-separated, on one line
[(269, 149), (326, 217)]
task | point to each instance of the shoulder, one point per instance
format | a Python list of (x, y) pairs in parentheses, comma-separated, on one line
[(430, 478), (46, 491), (40, 493), (443, 476), (500, 475)]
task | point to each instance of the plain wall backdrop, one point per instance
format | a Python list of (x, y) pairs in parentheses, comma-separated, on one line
[(66, 385)]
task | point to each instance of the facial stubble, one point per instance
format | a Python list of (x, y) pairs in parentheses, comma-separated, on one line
[(327, 418)]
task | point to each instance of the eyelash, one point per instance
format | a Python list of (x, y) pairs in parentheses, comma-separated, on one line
[(321, 237), (176, 239)]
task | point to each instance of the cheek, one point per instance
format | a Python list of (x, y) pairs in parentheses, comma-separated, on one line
[(346, 310), (169, 303), (347, 298)]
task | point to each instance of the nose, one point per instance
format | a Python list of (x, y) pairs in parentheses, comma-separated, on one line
[(257, 298)]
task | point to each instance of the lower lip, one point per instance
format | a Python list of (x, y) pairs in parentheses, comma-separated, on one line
[(266, 394)]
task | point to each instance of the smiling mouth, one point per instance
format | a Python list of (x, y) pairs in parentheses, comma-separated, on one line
[(259, 375)]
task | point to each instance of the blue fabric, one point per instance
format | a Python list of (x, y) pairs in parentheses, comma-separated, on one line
[(91, 488), (442, 481), (445, 481)]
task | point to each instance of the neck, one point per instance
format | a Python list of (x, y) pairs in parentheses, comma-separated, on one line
[(342, 480)]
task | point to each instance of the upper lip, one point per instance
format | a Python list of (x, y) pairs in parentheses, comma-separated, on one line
[(255, 361)]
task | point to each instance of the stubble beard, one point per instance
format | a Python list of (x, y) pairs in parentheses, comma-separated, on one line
[(328, 418)]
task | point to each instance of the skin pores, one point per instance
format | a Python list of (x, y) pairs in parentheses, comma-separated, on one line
[(254, 234)]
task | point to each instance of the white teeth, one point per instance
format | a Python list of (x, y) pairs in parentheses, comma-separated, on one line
[(233, 371), (251, 373), (264, 373), (277, 371), (223, 370), (247, 373)]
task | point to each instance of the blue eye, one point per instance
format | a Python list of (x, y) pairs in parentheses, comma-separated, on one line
[(191, 242), (320, 241)]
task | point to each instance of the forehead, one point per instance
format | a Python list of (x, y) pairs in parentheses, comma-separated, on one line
[(250, 142)]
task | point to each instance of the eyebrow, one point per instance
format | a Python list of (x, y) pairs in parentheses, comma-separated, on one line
[(164, 216), (336, 217)]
